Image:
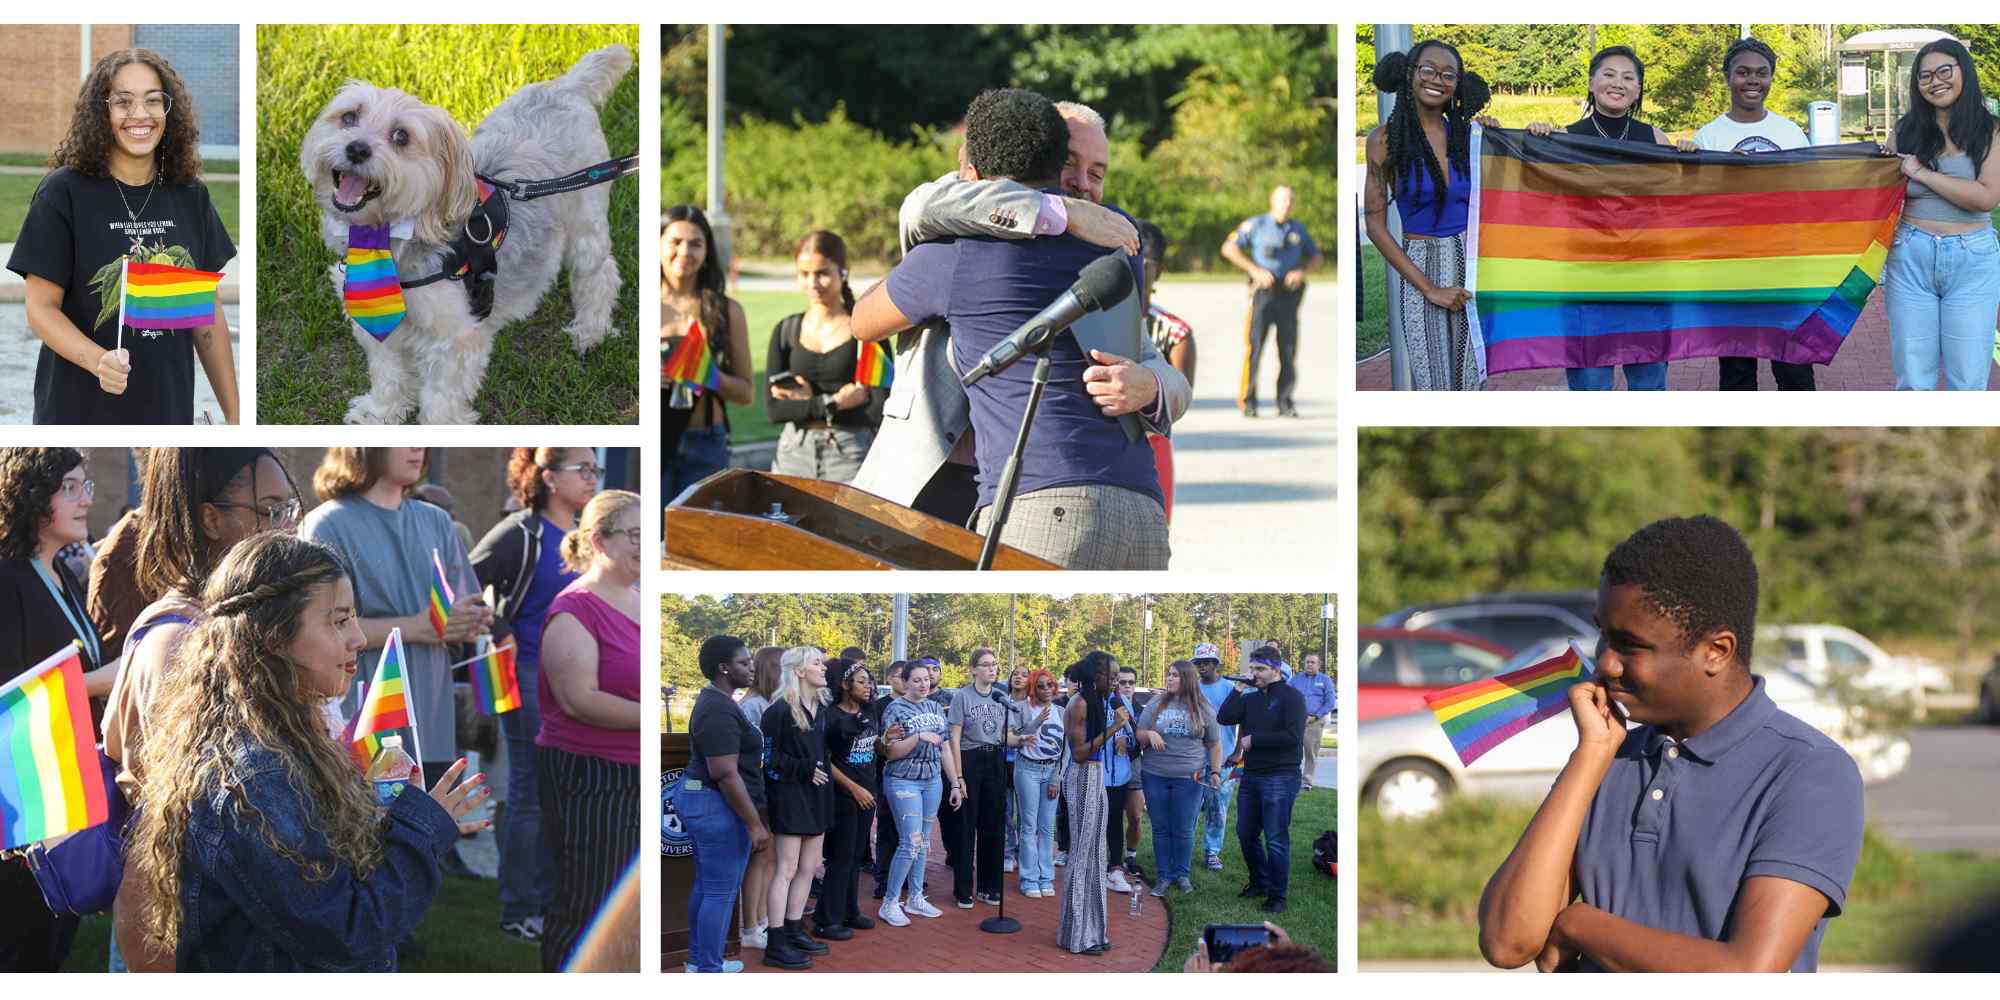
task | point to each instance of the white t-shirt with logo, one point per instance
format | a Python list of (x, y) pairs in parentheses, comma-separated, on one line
[(1727, 135)]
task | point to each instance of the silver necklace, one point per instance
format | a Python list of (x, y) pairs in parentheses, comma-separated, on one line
[(151, 186), (1627, 130)]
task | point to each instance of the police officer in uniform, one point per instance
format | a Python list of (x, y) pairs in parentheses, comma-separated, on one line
[(1275, 250)]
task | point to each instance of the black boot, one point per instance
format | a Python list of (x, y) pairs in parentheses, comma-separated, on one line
[(795, 932), (782, 953)]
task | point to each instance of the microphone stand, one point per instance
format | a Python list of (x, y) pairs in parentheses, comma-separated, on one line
[(1004, 924), (1010, 479)]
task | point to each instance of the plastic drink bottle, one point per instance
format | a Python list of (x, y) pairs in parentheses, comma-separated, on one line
[(391, 771)]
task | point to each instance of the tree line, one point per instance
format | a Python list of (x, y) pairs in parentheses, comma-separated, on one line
[(1050, 631), (1889, 531)]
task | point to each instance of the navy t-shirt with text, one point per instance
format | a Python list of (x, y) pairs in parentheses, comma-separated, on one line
[(986, 288)]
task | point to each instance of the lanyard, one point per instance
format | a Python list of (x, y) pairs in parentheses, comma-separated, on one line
[(86, 636)]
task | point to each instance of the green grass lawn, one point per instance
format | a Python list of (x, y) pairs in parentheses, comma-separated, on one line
[(461, 933), (763, 310), (1310, 898), (1371, 334), (307, 363), (16, 190), (1420, 886)]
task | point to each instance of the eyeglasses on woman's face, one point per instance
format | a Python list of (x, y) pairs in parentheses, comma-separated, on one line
[(630, 535), (74, 488), (269, 516), (587, 470), (1942, 74), (153, 104), (1436, 74)]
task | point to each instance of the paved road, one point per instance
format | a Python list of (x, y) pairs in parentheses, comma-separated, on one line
[(1249, 494), (19, 348), (1945, 800), (1324, 775)]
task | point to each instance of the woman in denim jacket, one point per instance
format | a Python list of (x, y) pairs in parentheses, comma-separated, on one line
[(260, 842)]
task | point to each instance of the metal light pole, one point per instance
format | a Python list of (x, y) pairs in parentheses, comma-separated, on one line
[(718, 216), (899, 627), (1326, 636), (1393, 38)]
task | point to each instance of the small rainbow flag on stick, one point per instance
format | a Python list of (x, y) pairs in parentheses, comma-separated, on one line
[(50, 782), (691, 364), (1484, 714), (440, 596), (165, 297), (872, 366), (385, 708), (495, 686)]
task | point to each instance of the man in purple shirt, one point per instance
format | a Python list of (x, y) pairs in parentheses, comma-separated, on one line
[(1717, 835), (1089, 495)]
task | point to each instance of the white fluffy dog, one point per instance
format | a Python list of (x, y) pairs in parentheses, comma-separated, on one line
[(377, 156)]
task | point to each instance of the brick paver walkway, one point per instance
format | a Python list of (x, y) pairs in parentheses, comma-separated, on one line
[(1863, 363), (954, 942)]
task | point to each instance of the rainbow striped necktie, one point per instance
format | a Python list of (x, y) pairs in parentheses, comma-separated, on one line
[(374, 294)]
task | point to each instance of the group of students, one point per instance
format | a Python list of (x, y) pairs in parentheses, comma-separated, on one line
[(228, 635), (800, 769), (1942, 278)]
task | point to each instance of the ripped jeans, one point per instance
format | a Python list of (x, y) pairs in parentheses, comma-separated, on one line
[(915, 804)]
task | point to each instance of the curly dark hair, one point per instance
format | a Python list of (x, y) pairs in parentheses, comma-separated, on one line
[(29, 479), (524, 474), (86, 148), (1409, 149), (1697, 571), (1016, 134)]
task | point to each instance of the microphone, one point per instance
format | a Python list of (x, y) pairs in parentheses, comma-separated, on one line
[(1104, 283)]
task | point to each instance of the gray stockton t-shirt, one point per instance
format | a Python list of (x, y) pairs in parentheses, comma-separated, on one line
[(1676, 828), (388, 554), (1187, 736), (924, 762), (980, 716)]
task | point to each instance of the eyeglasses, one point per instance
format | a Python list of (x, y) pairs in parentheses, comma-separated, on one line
[(1941, 73), (1426, 71), (72, 488), (126, 105), (585, 469), (631, 535), (277, 515)]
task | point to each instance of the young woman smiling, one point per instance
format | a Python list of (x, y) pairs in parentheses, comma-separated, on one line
[(1943, 274), (125, 185)]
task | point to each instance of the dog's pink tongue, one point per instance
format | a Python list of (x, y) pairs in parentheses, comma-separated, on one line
[(353, 187)]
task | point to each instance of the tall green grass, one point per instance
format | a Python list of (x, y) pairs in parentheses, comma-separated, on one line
[(307, 363)]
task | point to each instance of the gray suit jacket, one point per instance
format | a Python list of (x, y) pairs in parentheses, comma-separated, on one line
[(927, 413)]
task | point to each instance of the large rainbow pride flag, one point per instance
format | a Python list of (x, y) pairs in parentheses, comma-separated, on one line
[(385, 708), (50, 782), (165, 297), (1484, 714), (1592, 251)]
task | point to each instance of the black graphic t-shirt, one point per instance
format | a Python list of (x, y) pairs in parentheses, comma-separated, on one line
[(76, 231), (850, 742)]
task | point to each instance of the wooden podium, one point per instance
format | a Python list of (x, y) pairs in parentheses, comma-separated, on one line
[(725, 522), (677, 874)]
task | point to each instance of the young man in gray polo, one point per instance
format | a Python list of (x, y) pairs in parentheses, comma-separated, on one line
[(1720, 833)]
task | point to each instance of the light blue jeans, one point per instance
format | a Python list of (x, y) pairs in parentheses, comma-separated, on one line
[(1943, 296), (1035, 813), (1649, 377), (915, 804), (1215, 812)]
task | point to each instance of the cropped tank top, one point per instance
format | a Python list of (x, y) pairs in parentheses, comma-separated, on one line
[(1920, 202), (1419, 201)]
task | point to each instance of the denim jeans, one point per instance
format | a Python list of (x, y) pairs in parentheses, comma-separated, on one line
[(116, 960), (704, 451), (1215, 812), (915, 804), (721, 853), (1943, 294), (1264, 828), (1651, 376), (526, 884), (1171, 804), (1035, 813)]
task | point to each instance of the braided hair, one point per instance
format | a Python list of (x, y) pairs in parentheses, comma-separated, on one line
[(1752, 45), (1404, 132)]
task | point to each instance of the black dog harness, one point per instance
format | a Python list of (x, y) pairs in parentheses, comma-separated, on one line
[(473, 256)]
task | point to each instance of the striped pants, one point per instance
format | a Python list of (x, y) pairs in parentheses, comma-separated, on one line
[(590, 833)]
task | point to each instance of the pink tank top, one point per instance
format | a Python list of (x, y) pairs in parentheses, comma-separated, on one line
[(617, 673)]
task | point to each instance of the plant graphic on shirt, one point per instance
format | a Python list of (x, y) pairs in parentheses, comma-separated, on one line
[(106, 281)]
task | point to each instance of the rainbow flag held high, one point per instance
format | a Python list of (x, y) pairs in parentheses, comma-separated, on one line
[(495, 687), (386, 706), (691, 364), (1484, 714), (165, 297), (440, 596), (872, 366), (50, 781), (1588, 252)]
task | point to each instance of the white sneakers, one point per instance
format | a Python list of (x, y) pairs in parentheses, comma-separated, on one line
[(891, 913), (1032, 892), (1114, 880), (1007, 865), (757, 937), (921, 907)]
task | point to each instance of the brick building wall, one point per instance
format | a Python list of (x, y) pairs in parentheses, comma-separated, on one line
[(43, 69)]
